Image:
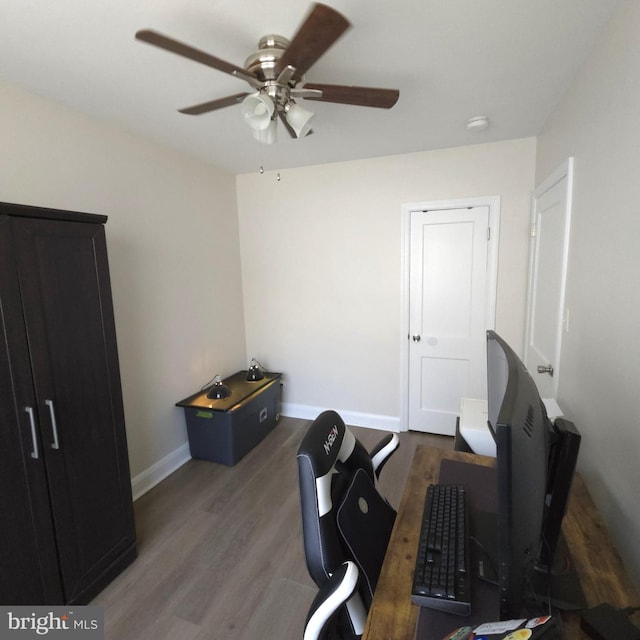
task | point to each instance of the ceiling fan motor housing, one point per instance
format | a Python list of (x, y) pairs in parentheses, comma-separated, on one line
[(263, 62)]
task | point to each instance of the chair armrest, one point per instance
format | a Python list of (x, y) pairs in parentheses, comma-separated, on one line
[(334, 593), (382, 452)]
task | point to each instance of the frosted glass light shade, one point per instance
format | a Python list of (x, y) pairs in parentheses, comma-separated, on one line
[(257, 110), (269, 135), (299, 118)]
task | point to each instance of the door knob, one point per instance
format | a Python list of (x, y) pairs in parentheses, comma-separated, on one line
[(548, 369), (416, 338)]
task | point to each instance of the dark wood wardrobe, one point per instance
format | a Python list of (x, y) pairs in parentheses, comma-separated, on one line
[(66, 516)]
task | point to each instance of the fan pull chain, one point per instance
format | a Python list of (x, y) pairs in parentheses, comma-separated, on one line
[(261, 158), (261, 169)]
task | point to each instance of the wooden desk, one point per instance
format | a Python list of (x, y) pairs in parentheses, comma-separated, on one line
[(393, 616)]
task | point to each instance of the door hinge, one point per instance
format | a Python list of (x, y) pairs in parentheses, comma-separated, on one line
[(488, 234), (532, 231)]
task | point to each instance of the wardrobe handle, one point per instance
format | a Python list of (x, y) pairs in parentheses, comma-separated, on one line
[(54, 427), (34, 454)]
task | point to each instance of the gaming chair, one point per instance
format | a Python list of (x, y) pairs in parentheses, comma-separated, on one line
[(346, 524)]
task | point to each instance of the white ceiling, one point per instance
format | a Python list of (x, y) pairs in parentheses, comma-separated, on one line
[(451, 59)]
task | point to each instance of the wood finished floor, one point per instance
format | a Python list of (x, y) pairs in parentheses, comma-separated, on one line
[(220, 548)]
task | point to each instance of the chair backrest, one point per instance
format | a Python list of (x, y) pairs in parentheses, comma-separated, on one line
[(344, 516)]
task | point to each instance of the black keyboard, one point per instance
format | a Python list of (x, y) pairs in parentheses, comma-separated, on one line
[(441, 577)]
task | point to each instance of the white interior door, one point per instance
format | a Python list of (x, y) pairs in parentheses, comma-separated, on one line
[(547, 315), (447, 314)]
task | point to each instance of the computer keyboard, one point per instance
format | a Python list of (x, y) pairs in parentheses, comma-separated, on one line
[(441, 577)]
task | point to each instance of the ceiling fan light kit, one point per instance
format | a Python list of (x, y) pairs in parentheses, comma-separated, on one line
[(257, 111), (299, 118), (268, 135), (276, 73)]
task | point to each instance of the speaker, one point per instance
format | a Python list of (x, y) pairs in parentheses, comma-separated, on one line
[(562, 464)]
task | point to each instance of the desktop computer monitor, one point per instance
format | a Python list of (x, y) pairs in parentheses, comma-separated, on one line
[(535, 464)]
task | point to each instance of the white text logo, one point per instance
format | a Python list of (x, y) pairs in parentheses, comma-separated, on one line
[(331, 438)]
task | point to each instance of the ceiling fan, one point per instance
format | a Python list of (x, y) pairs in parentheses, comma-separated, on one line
[(276, 73)]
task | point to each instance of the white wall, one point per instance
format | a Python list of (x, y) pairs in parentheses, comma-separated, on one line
[(321, 260), (172, 237), (597, 122)]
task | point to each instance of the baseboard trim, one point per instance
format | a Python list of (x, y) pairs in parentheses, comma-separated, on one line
[(355, 418), (157, 472)]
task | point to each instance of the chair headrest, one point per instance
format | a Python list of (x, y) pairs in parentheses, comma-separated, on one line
[(322, 442)]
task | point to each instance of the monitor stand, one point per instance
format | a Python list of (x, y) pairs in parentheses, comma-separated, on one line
[(559, 588)]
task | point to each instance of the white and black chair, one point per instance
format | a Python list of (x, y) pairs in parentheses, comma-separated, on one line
[(346, 524)]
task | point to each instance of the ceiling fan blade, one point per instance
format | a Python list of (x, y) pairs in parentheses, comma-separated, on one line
[(212, 105), (359, 96), (169, 44), (318, 32)]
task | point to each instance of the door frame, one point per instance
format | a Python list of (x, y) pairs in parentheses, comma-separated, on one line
[(564, 171), (493, 202)]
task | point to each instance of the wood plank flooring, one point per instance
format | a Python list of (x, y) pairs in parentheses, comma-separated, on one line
[(220, 548)]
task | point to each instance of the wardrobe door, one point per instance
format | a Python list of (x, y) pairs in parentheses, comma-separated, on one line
[(64, 284), (28, 560)]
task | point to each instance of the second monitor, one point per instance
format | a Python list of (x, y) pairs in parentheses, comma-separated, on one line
[(535, 462)]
